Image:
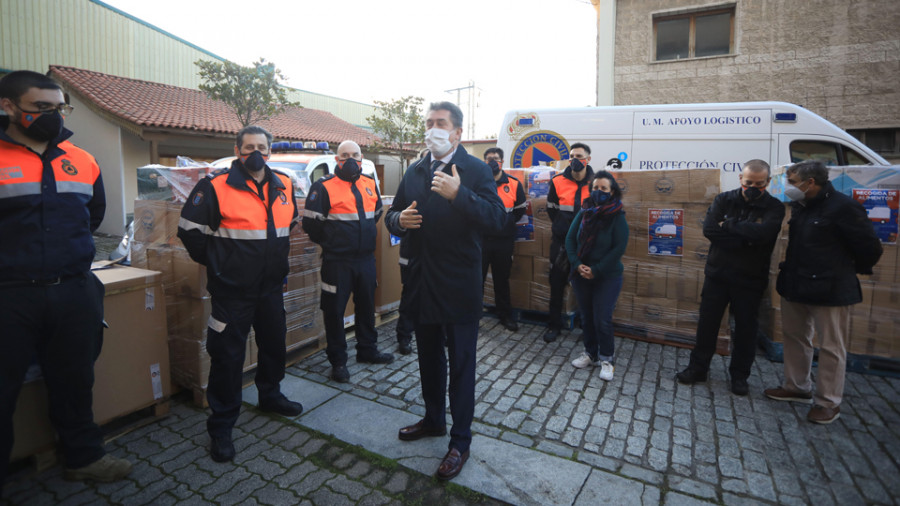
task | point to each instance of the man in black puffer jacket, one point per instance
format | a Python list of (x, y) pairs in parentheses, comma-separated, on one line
[(831, 241)]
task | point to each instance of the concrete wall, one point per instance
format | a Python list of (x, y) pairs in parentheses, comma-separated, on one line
[(838, 58)]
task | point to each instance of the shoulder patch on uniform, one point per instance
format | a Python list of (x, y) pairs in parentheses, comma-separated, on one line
[(506, 189), (198, 199), (369, 191), (313, 196), (282, 197)]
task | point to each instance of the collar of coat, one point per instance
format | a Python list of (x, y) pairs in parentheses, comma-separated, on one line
[(238, 177)]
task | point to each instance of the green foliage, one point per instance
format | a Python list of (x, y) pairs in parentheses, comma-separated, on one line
[(253, 93), (398, 122)]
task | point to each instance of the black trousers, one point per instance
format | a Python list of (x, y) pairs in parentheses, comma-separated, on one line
[(406, 323), (498, 256), (226, 341), (461, 340), (716, 297), (559, 278), (62, 327), (340, 278)]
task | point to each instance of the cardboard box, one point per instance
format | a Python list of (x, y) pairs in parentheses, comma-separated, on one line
[(520, 294), (541, 273), (630, 185), (665, 186), (681, 283), (539, 212), (704, 185), (540, 297), (190, 277), (688, 315), (546, 235), (387, 267), (651, 280), (522, 268), (529, 248), (623, 311), (151, 222), (656, 314)]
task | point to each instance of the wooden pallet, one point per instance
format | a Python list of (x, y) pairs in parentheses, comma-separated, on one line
[(659, 335)]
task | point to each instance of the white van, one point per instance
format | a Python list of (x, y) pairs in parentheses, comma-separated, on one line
[(680, 136)]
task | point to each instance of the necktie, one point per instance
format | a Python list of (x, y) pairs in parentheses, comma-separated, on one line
[(434, 166)]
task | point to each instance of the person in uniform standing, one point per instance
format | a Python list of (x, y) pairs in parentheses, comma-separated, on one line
[(51, 305), (342, 211), (237, 222), (497, 250)]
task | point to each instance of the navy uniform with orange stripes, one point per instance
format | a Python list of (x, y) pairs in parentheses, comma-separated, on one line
[(341, 214), (497, 250), (51, 306), (240, 230), (563, 203)]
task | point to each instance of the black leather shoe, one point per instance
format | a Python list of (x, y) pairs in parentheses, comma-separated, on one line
[(418, 430), (691, 375), (221, 449), (282, 406), (340, 374), (739, 386), (452, 464), (510, 325), (551, 335), (405, 347), (377, 358)]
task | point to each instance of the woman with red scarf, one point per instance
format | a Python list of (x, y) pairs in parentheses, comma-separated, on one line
[(595, 244)]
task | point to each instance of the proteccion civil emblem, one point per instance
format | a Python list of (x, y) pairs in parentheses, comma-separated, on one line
[(539, 148), (68, 168), (522, 124)]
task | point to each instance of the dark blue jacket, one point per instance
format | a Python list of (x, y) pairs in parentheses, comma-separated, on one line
[(342, 216), (50, 206), (830, 240), (445, 253)]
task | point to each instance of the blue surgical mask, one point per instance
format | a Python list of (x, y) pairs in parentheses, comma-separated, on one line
[(600, 196)]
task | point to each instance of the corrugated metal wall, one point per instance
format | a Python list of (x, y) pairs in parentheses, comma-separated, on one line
[(88, 34)]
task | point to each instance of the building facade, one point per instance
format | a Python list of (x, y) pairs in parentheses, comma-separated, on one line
[(837, 58)]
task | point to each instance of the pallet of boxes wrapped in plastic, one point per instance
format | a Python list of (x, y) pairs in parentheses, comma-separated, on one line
[(874, 344), (664, 262), (157, 247)]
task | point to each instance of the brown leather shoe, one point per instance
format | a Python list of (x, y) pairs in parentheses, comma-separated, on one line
[(418, 430), (452, 464), (781, 394), (822, 415)]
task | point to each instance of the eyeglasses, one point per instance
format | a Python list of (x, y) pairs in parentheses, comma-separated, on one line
[(64, 109)]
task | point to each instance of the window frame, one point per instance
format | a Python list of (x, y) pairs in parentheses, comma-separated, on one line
[(692, 36)]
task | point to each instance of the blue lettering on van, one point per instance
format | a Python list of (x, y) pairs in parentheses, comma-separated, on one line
[(712, 120), (677, 164)]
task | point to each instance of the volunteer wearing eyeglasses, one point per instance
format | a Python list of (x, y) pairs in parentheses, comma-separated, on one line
[(51, 306)]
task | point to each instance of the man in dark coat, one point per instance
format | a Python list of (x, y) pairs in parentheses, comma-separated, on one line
[(742, 226), (831, 240), (444, 204)]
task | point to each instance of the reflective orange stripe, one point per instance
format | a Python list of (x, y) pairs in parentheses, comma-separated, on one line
[(343, 202), (507, 193), (244, 214), (21, 171), (566, 190)]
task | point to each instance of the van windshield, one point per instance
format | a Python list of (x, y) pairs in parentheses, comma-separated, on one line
[(299, 176)]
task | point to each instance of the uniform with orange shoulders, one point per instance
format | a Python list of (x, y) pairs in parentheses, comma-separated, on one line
[(497, 250), (240, 230), (341, 214)]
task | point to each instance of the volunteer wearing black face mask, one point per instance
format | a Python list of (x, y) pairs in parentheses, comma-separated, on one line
[(497, 250), (341, 214), (237, 223), (51, 306), (567, 191), (742, 226)]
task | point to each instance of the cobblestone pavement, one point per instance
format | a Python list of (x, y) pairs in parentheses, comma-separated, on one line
[(642, 437)]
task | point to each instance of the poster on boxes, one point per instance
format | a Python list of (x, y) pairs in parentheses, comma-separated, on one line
[(666, 229), (881, 206)]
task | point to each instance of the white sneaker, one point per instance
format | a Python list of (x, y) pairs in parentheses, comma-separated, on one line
[(606, 371), (584, 360)]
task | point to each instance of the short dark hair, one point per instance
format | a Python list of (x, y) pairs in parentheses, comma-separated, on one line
[(807, 169), (581, 145), (614, 189), (252, 130), (456, 115), (15, 84), (757, 165), (491, 151)]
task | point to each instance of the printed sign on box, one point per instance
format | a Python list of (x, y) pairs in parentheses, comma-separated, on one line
[(881, 206), (666, 229)]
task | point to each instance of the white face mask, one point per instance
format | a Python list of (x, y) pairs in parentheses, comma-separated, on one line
[(437, 140), (794, 193)]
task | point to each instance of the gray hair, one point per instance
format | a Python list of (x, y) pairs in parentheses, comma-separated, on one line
[(810, 169)]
